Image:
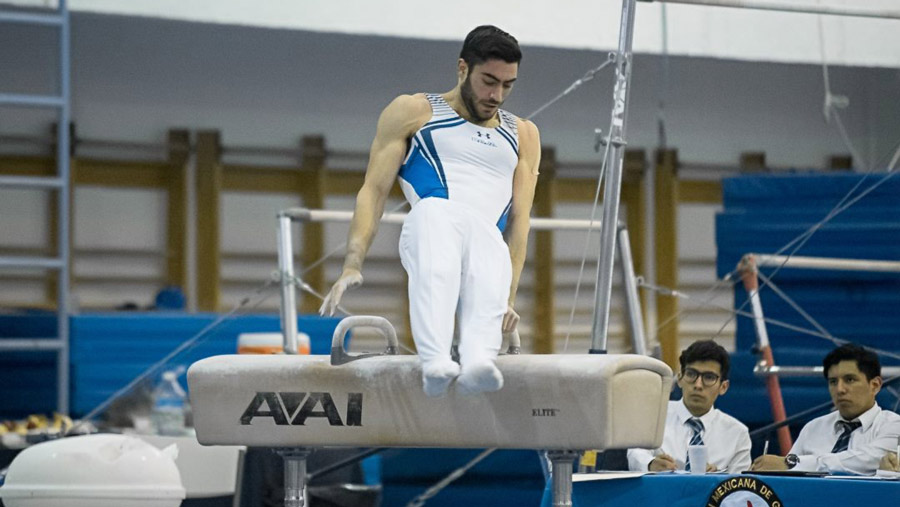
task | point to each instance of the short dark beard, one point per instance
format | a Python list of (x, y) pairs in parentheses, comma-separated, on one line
[(468, 98)]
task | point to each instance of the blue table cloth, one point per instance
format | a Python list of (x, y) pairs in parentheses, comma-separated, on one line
[(684, 490)]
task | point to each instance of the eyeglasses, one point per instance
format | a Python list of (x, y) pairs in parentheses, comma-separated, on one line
[(707, 377)]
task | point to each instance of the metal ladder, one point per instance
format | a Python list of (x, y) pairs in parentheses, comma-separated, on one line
[(59, 19)]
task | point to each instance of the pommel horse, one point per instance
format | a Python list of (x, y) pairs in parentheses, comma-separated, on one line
[(295, 403)]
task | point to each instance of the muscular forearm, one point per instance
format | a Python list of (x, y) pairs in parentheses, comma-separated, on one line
[(366, 217), (518, 247)]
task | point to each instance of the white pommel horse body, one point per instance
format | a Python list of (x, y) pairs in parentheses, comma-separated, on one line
[(563, 403)]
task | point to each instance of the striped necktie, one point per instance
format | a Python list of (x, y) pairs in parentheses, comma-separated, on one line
[(843, 442), (696, 426)]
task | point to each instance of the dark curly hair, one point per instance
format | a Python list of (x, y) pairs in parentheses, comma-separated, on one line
[(488, 42)]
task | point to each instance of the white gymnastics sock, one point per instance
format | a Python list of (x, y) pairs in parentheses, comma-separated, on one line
[(479, 378), (437, 375)]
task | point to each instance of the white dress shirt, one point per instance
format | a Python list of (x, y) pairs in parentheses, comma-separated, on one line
[(878, 434), (727, 440)]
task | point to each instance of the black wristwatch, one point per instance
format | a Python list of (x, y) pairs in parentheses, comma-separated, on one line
[(791, 460)]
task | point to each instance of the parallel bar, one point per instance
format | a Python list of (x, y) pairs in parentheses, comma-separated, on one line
[(811, 371), (17, 99), (537, 224), (31, 182), (794, 7), (827, 263), (32, 18), (31, 262), (31, 344)]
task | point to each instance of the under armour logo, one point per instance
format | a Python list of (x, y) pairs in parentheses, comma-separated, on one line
[(487, 135)]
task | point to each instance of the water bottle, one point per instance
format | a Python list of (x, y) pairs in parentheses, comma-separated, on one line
[(169, 406)]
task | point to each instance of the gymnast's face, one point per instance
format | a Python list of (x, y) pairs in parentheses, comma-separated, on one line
[(485, 86), (701, 383)]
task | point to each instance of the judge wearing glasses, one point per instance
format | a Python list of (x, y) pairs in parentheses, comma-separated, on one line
[(693, 420)]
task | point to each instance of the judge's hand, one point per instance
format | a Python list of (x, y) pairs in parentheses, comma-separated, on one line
[(890, 462), (510, 320), (769, 462), (711, 469), (350, 279), (662, 463)]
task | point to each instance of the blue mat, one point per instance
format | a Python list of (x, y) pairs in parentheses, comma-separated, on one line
[(108, 350), (763, 213)]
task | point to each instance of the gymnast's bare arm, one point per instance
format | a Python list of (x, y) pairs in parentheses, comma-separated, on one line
[(397, 123), (519, 223)]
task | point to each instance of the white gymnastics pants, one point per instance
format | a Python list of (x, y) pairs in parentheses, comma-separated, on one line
[(453, 255)]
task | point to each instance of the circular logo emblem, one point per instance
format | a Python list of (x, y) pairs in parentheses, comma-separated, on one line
[(744, 491)]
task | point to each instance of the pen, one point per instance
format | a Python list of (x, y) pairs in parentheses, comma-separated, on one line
[(766, 447)]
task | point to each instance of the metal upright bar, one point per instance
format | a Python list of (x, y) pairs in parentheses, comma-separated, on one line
[(294, 476), (613, 186), (561, 476), (748, 270), (63, 196), (632, 299), (288, 290)]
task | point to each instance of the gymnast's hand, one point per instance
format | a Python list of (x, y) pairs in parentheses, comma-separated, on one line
[(350, 279), (510, 320)]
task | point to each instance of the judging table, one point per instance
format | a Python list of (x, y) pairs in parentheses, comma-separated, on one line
[(685, 490)]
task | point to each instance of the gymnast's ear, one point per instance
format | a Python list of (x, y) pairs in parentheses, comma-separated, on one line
[(462, 69)]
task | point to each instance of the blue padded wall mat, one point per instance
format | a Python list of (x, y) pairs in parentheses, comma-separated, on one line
[(763, 213), (27, 379), (108, 350), (505, 477)]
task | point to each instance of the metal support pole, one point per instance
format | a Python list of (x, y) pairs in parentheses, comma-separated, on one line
[(62, 172), (613, 187), (632, 300), (748, 272), (294, 476), (561, 475), (288, 291)]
